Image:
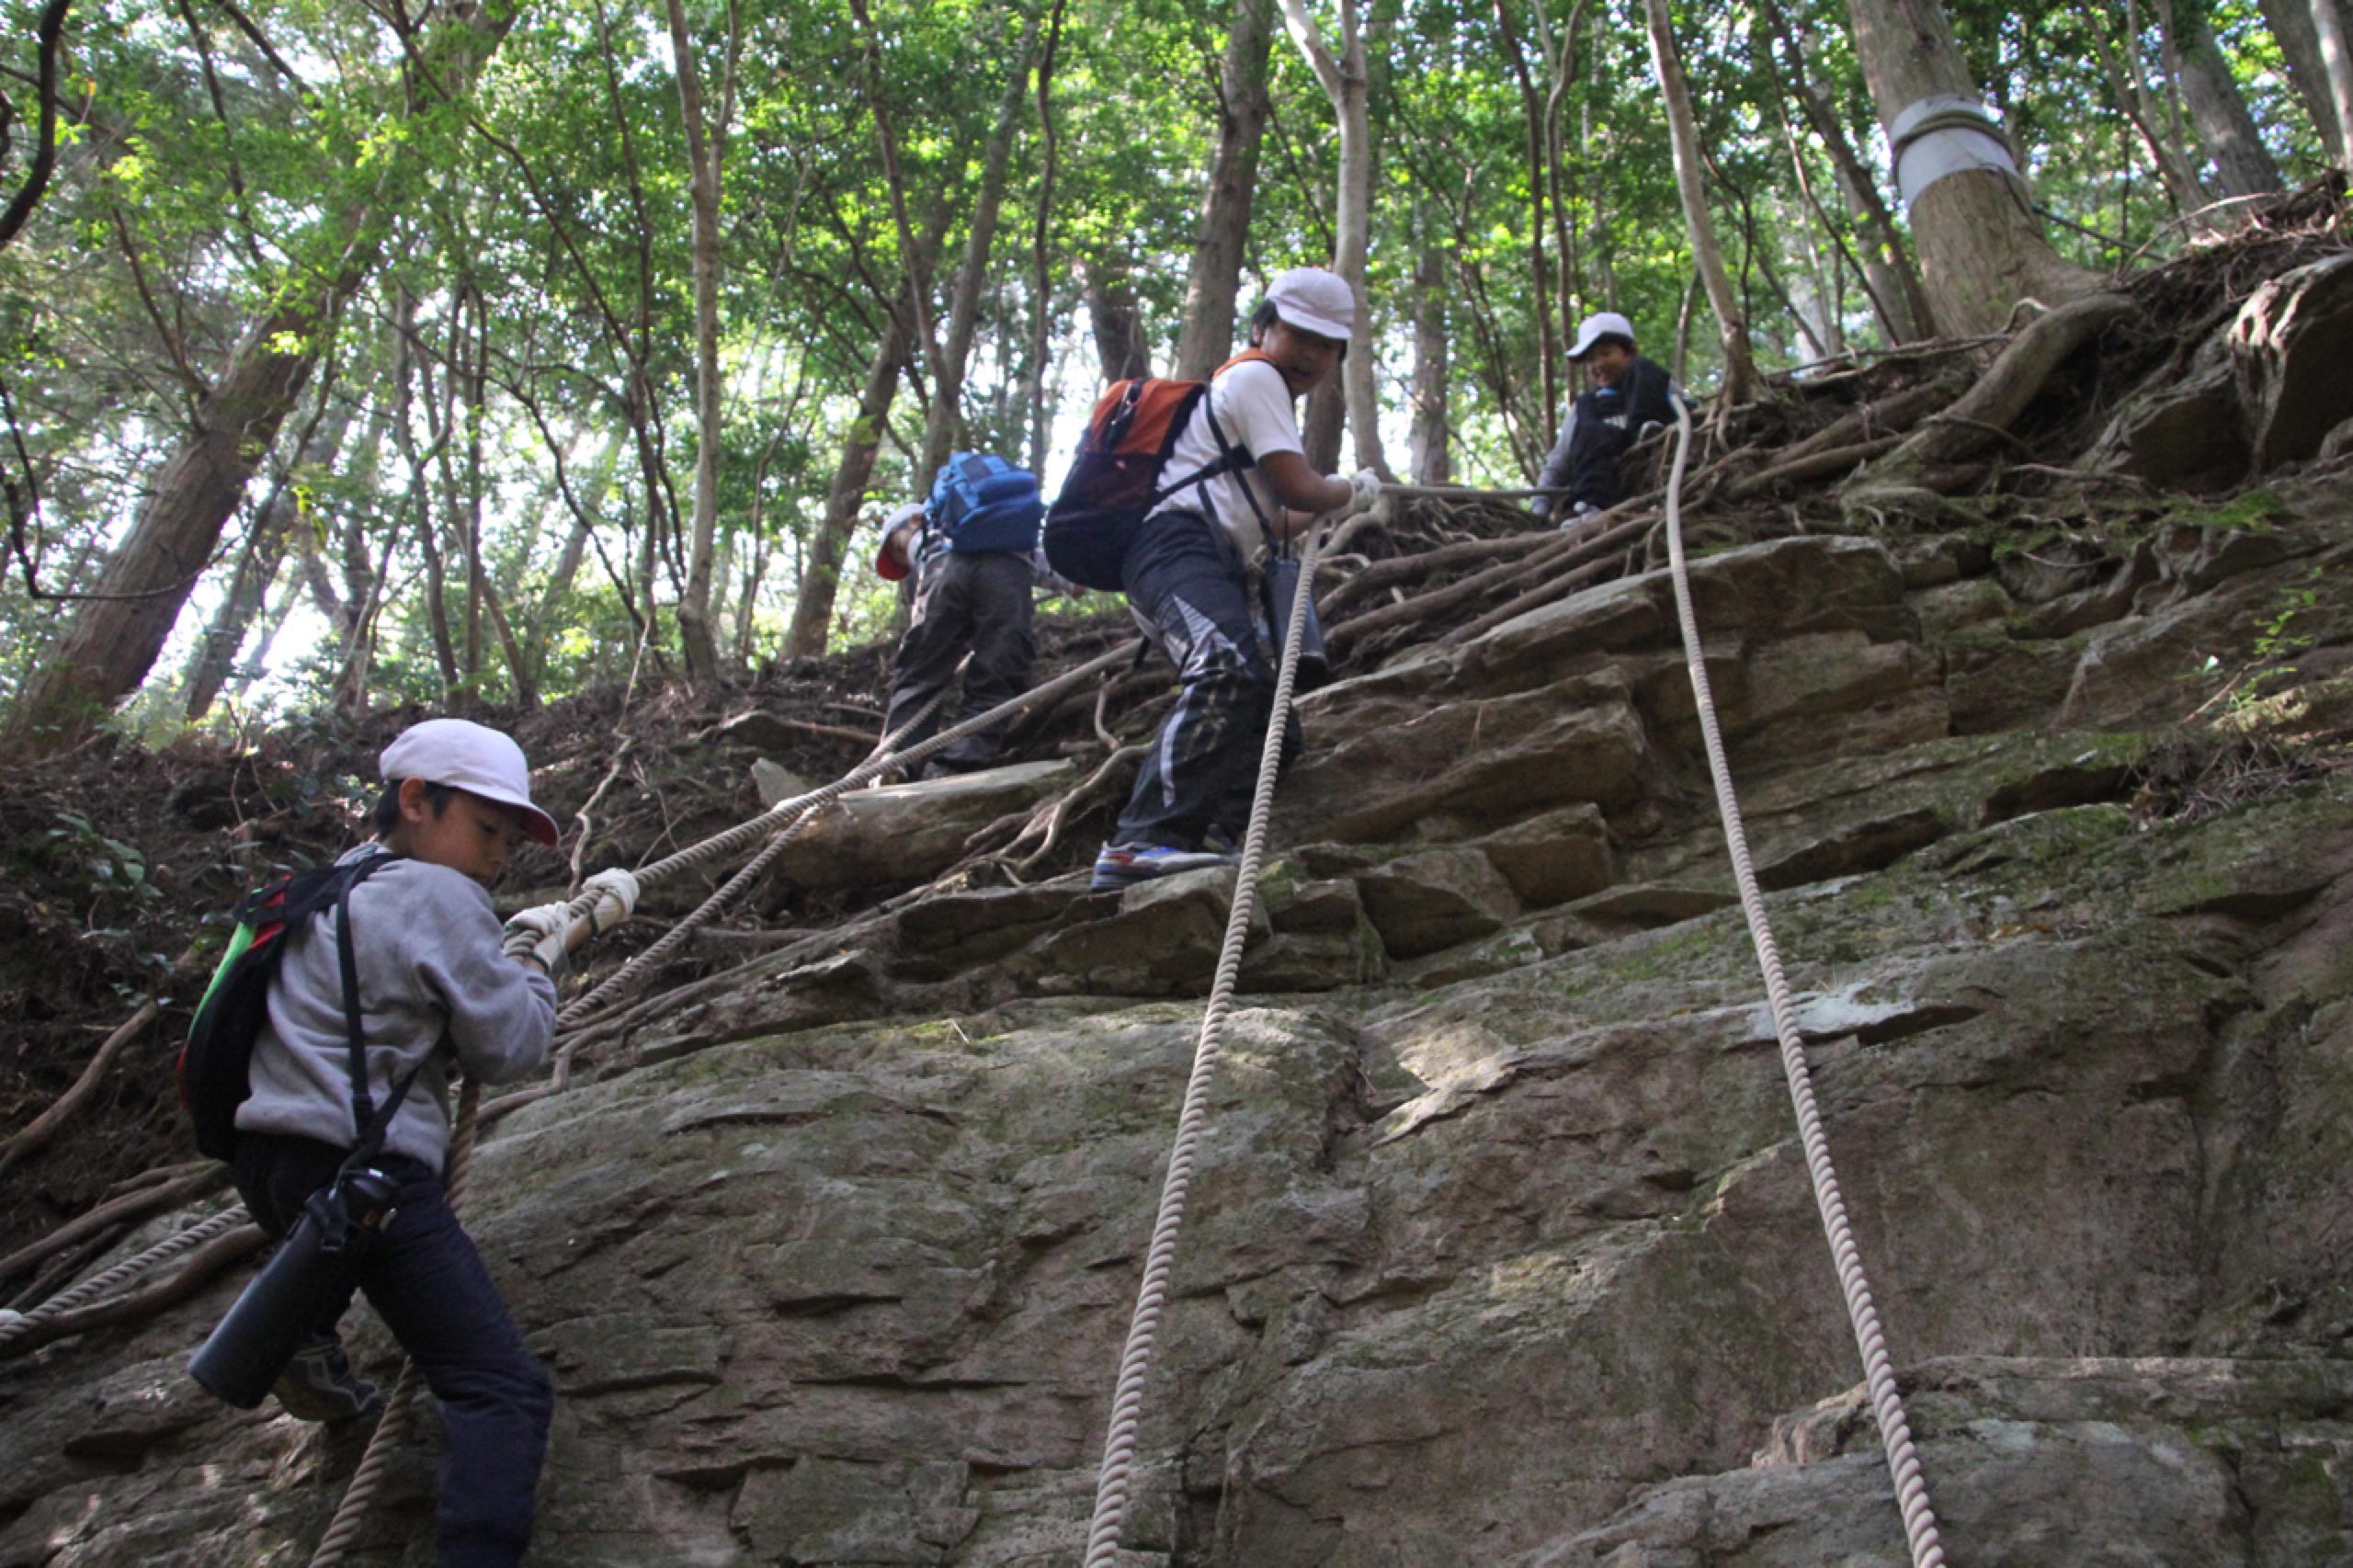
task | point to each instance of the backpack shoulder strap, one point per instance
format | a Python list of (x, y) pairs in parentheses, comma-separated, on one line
[(365, 1120)]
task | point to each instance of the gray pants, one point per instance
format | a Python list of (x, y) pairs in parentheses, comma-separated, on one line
[(977, 602)]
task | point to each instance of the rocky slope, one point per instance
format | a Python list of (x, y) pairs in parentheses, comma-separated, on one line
[(1502, 1249)]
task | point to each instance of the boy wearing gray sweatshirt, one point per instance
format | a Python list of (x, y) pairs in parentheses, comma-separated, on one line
[(438, 981)]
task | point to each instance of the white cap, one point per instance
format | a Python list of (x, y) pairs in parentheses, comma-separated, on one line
[(472, 757), (905, 514), (1601, 323), (1314, 300)]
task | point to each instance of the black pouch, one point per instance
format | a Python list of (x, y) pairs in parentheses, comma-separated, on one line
[(1277, 588), (242, 1360)]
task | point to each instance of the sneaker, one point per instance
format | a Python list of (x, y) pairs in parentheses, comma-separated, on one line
[(319, 1385), (1125, 865)]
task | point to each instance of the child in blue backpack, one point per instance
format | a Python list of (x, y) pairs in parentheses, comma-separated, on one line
[(974, 592), (438, 981)]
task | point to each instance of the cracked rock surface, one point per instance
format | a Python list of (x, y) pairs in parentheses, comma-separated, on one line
[(1501, 1248)]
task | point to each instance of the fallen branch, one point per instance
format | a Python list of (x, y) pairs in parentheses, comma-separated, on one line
[(132, 1206), (44, 1126)]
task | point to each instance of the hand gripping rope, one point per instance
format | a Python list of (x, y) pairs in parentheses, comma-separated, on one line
[(1143, 1330), (1887, 1402)]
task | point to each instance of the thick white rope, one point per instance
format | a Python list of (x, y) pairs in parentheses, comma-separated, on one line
[(1112, 1485), (1887, 1400), (14, 1326)]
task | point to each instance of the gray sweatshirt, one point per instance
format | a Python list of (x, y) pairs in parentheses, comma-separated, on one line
[(427, 945)]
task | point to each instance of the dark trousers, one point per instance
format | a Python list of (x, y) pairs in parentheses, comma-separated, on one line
[(976, 601), (425, 1278), (1185, 577)]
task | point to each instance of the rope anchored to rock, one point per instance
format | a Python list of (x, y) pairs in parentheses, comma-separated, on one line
[(1887, 1402)]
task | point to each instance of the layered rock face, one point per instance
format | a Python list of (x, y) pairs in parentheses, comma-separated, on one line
[(1501, 1249)]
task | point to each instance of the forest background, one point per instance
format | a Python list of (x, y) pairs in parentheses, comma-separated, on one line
[(360, 352)]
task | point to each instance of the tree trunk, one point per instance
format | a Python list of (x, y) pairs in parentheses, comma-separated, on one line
[(257, 564), (1690, 179), (113, 641), (2129, 79), (1532, 112), (2242, 161), (1345, 83), (1118, 319), (813, 608), (2334, 30), (1041, 288), (1206, 337), (1982, 249), (706, 148), (2292, 24), (1431, 451), (944, 427)]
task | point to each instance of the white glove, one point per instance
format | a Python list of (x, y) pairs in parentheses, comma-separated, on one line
[(1364, 489), (538, 933), (615, 892)]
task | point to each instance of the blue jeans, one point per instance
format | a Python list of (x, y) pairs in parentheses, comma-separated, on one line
[(1187, 577), (426, 1281)]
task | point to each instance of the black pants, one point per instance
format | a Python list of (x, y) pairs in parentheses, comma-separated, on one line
[(976, 601), (1185, 577), (426, 1281)]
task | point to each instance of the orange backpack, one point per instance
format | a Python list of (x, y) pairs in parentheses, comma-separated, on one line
[(1115, 479)]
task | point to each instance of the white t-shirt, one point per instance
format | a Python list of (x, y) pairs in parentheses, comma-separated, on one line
[(1253, 405)]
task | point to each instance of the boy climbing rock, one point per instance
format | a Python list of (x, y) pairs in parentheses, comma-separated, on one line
[(435, 982), (1628, 397)]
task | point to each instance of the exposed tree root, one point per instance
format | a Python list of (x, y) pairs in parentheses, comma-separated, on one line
[(44, 1126)]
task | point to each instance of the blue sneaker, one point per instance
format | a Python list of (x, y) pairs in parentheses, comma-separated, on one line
[(1125, 865)]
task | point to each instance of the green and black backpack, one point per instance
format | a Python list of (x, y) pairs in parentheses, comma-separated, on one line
[(215, 1067)]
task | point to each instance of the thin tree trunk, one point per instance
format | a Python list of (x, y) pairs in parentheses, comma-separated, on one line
[(2334, 31), (1347, 83), (1206, 335), (420, 493), (1547, 345), (813, 607), (2292, 24), (2241, 160), (1981, 247), (2130, 82), (113, 641), (1896, 289), (257, 566), (943, 428), (1732, 324), (706, 149), (1118, 319), (1683, 314), (1431, 451), (1040, 276)]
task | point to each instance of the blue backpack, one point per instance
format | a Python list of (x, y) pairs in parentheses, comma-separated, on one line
[(984, 502)]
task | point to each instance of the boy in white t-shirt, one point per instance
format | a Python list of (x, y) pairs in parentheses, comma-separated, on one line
[(1186, 576)]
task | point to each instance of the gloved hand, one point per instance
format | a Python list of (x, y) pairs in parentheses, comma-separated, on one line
[(1364, 489), (616, 894), (1579, 513), (538, 933)]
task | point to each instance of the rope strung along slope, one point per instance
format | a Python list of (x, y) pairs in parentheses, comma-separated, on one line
[(1887, 1402), (1144, 1328)]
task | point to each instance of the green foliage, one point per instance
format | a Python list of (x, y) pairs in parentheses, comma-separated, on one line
[(522, 215)]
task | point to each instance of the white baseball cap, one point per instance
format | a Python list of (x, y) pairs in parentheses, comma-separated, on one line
[(472, 757), (1600, 324), (1314, 300)]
